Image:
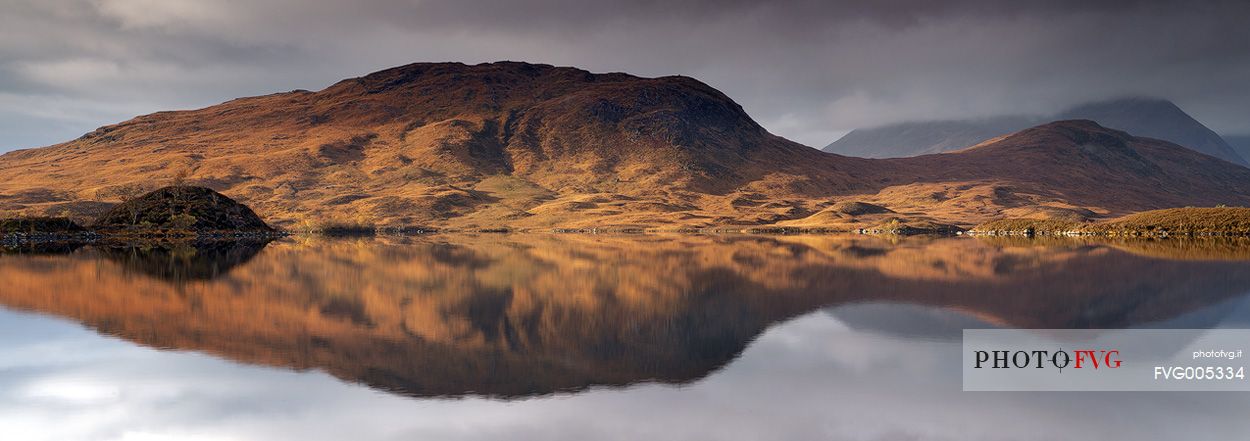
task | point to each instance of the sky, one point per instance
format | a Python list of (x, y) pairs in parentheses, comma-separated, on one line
[(806, 70)]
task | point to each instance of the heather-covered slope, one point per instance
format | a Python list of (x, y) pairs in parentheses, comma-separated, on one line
[(532, 146), (486, 144)]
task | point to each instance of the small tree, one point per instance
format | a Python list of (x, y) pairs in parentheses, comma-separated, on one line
[(178, 186), (180, 178), (184, 221), (128, 193)]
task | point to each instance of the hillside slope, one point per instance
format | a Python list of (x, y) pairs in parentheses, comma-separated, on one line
[(532, 146)]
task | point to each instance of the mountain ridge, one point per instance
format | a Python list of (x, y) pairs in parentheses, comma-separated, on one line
[(520, 145), (1142, 116)]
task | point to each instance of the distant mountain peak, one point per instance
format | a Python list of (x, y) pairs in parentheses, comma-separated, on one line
[(1147, 116), (1127, 101), (1078, 128)]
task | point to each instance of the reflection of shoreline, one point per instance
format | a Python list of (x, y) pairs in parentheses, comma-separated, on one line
[(1181, 248), (523, 315)]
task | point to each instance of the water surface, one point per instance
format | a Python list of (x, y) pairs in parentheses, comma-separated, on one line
[(587, 337)]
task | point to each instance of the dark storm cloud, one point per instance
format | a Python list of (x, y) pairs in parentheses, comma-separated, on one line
[(808, 70)]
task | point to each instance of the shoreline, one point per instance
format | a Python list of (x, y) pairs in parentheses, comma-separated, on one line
[(98, 238), (1189, 222), (92, 237)]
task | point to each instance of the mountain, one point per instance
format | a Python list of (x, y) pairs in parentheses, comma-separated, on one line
[(1156, 118), (1148, 117), (534, 146), (1072, 170), (435, 141)]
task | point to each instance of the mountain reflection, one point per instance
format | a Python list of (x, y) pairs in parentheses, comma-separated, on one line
[(522, 315)]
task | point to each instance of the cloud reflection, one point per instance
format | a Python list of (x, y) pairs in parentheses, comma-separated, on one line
[(811, 378)]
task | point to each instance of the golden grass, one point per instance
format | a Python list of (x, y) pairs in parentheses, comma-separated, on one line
[(1190, 221)]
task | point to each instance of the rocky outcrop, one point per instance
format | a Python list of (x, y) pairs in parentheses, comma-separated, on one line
[(182, 208)]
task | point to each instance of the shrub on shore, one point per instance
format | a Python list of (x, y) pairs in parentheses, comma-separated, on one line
[(31, 225), (336, 227)]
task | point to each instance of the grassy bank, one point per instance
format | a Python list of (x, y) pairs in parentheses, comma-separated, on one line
[(1189, 221)]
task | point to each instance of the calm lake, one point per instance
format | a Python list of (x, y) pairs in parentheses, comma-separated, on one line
[(587, 337)]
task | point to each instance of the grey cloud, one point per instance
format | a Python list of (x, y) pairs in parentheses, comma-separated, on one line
[(808, 70)]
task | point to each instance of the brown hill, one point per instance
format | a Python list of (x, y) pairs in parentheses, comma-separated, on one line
[(1083, 163), (522, 145), (1068, 170)]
